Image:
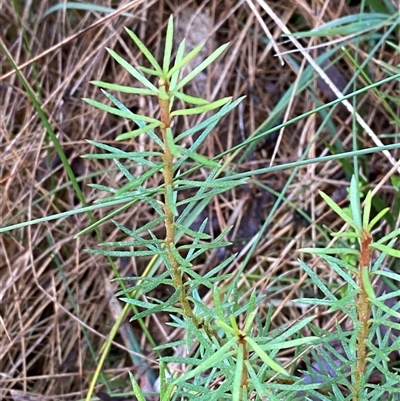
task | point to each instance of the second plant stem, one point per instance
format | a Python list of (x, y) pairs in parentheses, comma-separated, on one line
[(364, 312)]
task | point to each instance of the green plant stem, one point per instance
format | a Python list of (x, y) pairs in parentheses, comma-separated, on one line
[(168, 159), (168, 174), (364, 312)]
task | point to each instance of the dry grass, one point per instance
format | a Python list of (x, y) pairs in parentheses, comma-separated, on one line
[(56, 300)]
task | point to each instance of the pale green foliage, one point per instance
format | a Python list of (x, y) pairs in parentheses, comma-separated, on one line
[(245, 357), (225, 361), (375, 318)]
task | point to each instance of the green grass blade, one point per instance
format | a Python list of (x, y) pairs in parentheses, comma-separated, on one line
[(136, 388), (349, 25), (72, 5), (355, 204)]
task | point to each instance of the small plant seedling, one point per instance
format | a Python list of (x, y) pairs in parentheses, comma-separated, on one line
[(368, 312), (216, 347)]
